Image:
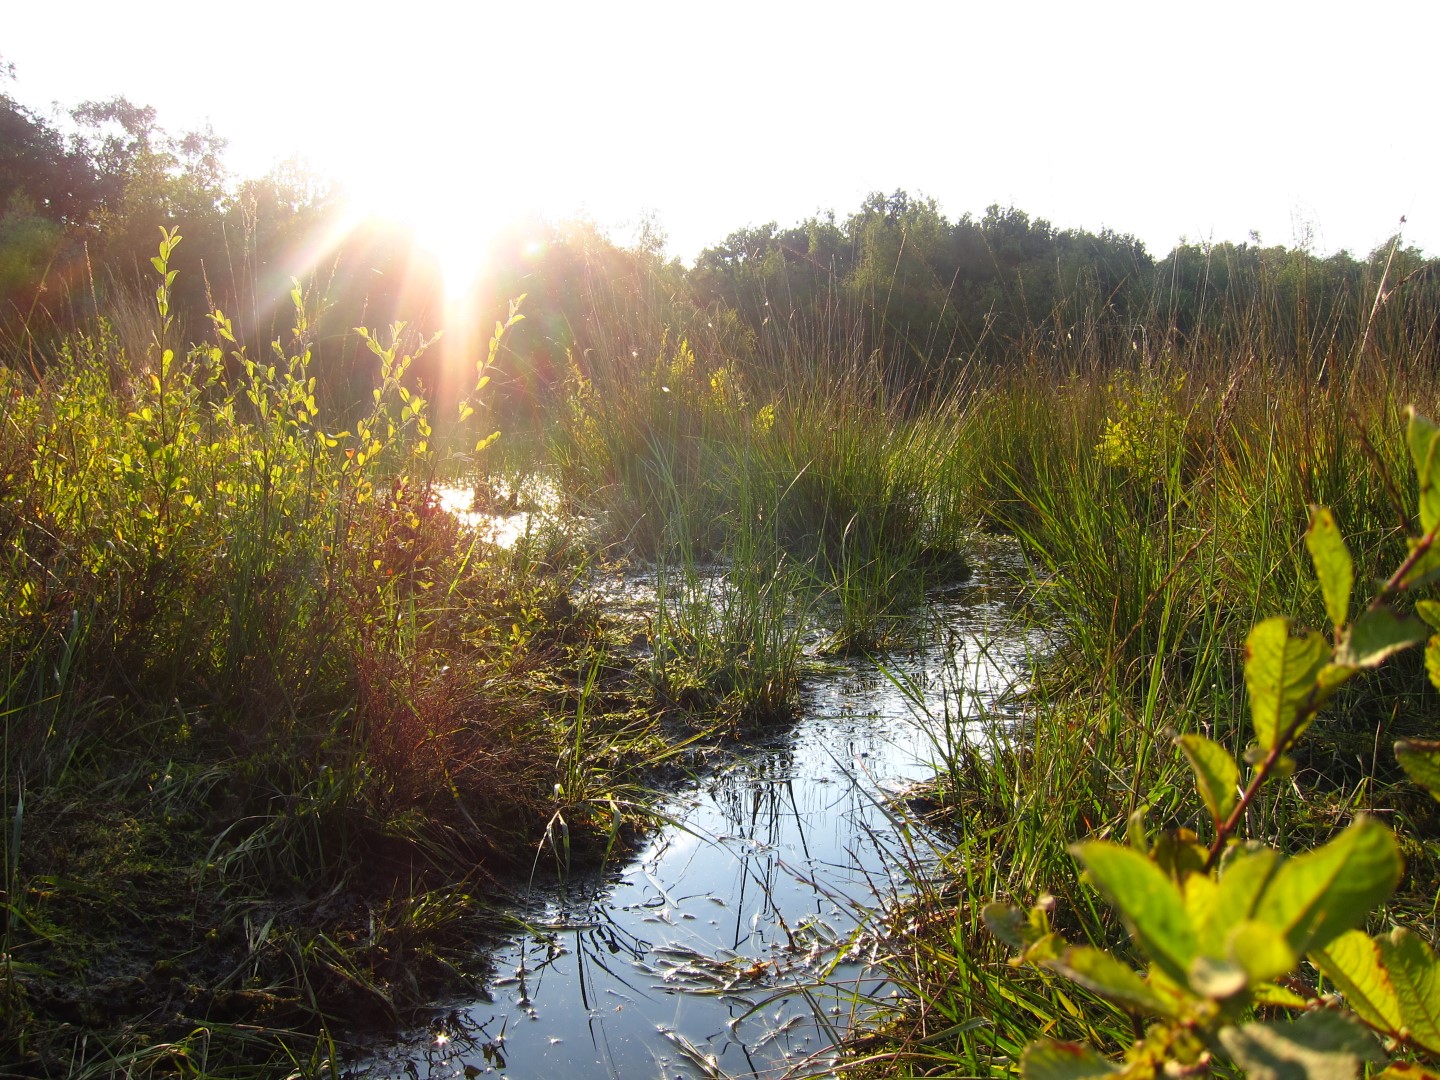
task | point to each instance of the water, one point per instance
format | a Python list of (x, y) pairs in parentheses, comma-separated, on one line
[(727, 945)]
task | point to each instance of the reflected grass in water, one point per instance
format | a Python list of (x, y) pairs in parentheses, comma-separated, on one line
[(734, 929)]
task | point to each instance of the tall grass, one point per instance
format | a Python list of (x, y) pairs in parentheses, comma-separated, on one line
[(854, 492), (1162, 496)]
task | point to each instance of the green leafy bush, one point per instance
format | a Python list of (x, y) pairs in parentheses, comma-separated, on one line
[(1226, 925)]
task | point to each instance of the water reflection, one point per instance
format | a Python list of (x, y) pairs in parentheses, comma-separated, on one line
[(725, 947), (502, 515)]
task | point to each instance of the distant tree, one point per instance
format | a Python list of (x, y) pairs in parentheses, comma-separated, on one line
[(147, 178)]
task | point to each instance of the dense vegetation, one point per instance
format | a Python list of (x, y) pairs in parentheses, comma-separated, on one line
[(273, 721)]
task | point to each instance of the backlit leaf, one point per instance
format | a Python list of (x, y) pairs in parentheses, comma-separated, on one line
[(1432, 660), (1421, 437), (1315, 897), (1241, 885), (1007, 923), (1278, 996), (1216, 774), (1199, 891), (1147, 900), (1178, 854), (1416, 977), (1420, 758), (1102, 974), (1379, 634), (1333, 565), (1429, 610), (1261, 951), (1280, 673), (1352, 963)]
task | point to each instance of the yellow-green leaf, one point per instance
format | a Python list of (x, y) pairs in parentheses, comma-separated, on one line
[(1416, 977), (1352, 964), (1421, 437), (1432, 660), (1280, 672), (1102, 974), (1148, 901), (1333, 565), (1315, 897), (1407, 1070), (1420, 758), (1260, 950), (1278, 996), (1216, 775), (1234, 898)]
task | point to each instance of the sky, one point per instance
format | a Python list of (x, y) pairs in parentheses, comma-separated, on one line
[(1307, 124)]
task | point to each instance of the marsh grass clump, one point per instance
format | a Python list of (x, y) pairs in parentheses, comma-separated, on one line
[(694, 461)]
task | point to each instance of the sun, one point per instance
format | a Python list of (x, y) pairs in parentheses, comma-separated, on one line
[(455, 228), (459, 244)]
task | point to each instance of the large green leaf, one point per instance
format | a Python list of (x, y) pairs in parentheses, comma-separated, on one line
[(1416, 978), (1429, 610), (1316, 1046), (1315, 897), (1048, 1060), (1333, 565), (1377, 635), (1280, 673), (1421, 759), (1352, 963), (1216, 775), (1148, 901), (1260, 950), (1420, 436), (1241, 885), (1199, 891), (1102, 974), (1432, 660)]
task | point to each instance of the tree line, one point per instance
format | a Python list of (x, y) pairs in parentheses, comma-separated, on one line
[(894, 282)]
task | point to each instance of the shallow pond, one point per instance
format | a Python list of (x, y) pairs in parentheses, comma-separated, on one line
[(727, 945)]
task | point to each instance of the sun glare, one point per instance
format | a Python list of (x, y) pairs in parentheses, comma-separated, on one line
[(458, 241), (456, 228)]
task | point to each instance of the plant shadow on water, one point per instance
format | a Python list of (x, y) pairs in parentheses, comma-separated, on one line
[(733, 943)]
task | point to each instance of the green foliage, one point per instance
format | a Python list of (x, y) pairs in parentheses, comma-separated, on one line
[(1145, 427), (1226, 925), (1421, 759)]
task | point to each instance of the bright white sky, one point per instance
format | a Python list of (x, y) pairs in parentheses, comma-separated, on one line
[(1309, 121)]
